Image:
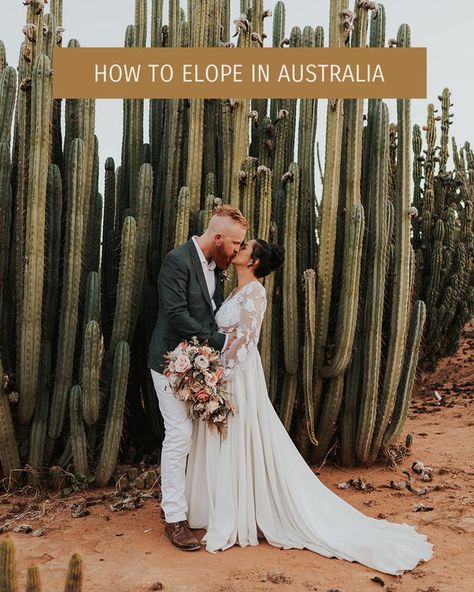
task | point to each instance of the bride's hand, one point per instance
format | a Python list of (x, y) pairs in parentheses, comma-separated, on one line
[(231, 337)]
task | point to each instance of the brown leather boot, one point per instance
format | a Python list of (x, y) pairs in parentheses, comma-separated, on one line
[(181, 536)]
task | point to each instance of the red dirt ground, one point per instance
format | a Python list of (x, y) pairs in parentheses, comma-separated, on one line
[(126, 551)]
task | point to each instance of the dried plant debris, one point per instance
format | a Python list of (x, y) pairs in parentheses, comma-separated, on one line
[(418, 573), (398, 485), (425, 473), (77, 510), (422, 508), (130, 501), (357, 484), (137, 478), (276, 578), (26, 528), (395, 453), (407, 484), (37, 533)]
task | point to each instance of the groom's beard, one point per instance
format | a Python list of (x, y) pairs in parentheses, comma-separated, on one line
[(222, 260)]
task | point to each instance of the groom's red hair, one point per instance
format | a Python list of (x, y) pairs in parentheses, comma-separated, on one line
[(226, 210)]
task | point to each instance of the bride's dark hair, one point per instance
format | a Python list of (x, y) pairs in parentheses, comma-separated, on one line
[(270, 257)]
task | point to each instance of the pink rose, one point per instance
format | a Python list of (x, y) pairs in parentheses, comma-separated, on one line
[(205, 350), (202, 397), (219, 373), (211, 379), (182, 364)]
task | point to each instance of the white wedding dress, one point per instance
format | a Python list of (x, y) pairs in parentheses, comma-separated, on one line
[(256, 475)]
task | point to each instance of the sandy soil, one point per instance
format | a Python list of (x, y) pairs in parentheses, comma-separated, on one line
[(126, 551)]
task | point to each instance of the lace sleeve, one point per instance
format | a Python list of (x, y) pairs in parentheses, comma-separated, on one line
[(253, 305)]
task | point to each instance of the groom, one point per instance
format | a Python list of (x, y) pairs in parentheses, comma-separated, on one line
[(189, 294)]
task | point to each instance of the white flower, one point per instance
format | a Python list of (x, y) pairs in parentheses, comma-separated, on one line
[(212, 406), (201, 362)]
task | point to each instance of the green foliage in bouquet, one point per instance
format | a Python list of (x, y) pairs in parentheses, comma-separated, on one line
[(376, 279)]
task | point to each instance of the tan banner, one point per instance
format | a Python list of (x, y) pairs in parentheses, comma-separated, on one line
[(169, 73)]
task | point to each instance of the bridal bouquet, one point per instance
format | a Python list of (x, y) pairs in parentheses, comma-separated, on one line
[(195, 373)]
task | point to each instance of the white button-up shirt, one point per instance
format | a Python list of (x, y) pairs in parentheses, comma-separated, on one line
[(208, 268), (209, 273)]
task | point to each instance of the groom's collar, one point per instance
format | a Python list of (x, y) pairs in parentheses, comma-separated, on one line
[(210, 264)]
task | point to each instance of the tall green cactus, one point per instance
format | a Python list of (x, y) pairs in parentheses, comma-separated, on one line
[(3, 56), (33, 581), (90, 372), (74, 576), (71, 286), (78, 435), (405, 385), (377, 245), (143, 217), (33, 270), (7, 566), (122, 317), (7, 102), (308, 352), (5, 223), (113, 427), (349, 292), (400, 295), (9, 456), (328, 209), (344, 359), (290, 304), (248, 190), (52, 250), (8, 579), (182, 218), (39, 425)]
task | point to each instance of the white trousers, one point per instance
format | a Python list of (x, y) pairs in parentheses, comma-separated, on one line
[(175, 449)]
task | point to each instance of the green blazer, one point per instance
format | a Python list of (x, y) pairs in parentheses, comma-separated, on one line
[(184, 305)]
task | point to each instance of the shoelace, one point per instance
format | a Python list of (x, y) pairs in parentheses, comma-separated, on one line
[(180, 525)]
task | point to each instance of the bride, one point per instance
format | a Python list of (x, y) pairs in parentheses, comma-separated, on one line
[(254, 483)]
